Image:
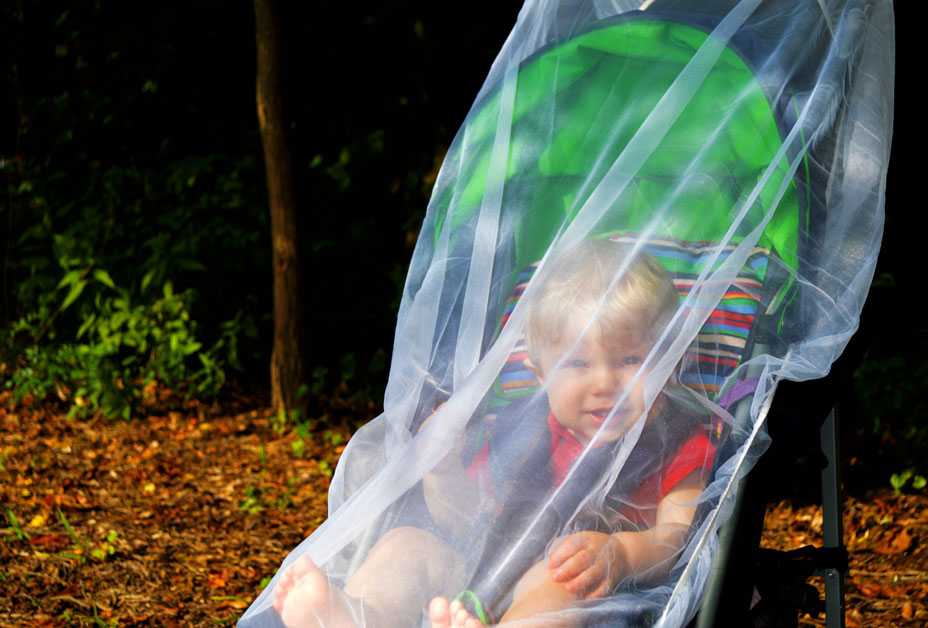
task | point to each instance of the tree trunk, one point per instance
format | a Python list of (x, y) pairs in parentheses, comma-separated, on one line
[(287, 370)]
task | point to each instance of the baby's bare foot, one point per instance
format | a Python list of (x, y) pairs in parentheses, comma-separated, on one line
[(305, 599), (439, 613), (287, 580), (454, 615)]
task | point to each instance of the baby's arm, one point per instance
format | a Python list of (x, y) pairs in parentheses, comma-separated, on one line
[(451, 496), (590, 564)]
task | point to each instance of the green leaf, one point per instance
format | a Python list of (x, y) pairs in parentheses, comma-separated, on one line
[(189, 264), (87, 324), (146, 280), (75, 292), (919, 482), (70, 278), (67, 527), (14, 524), (104, 277), (899, 480), (118, 319)]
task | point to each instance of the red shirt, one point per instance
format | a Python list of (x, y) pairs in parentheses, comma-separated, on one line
[(564, 450), (639, 510), (696, 454)]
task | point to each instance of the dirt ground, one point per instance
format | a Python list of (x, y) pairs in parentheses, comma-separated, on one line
[(179, 518)]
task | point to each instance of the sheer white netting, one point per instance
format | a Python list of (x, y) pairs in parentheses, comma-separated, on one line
[(651, 215)]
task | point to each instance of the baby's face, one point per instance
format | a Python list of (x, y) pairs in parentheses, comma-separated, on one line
[(586, 378)]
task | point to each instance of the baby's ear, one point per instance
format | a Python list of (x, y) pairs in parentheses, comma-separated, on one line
[(536, 371)]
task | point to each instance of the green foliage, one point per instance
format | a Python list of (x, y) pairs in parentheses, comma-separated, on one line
[(18, 531), (319, 379), (252, 502), (99, 318), (900, 480), (68, 528), (285, 499), (118, 348), (333, 438), (285, 418), (106, 547), (298, 446)]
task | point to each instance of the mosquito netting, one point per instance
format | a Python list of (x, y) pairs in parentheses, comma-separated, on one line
[(652, 214)]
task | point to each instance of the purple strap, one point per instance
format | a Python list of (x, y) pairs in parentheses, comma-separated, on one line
[(738, 392)]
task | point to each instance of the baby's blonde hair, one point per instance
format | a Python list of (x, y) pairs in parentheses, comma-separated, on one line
[(642, 300)]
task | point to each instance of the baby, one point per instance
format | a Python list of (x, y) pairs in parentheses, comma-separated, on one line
[(588, 335)]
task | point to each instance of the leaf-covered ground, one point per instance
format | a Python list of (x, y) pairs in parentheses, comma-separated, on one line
[(177, 519)]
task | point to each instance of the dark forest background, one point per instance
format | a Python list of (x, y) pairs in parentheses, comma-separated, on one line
[(134, 233)]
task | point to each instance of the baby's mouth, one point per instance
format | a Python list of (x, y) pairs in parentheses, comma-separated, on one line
[(600, 414)]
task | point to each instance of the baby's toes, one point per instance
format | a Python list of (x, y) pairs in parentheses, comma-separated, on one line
[(461, 618), (282, 589), (280, 594), (300, 567), (439, 613)]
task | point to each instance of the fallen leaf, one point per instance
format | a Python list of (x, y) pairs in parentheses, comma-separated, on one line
[(907, 610), (218, 580), (230, 602), (38, 521), (870, 589), (853, 619), (899, 543), (50, 541)]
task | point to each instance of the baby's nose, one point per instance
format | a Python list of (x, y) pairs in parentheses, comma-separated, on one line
[(608, 381)]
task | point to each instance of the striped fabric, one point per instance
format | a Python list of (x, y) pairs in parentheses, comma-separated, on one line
[(720, 345)]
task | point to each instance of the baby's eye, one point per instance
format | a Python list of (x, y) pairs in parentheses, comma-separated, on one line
[(575, 363), (631, 360)]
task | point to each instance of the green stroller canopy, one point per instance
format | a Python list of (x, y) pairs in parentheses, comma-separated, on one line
[(606, 83), (653, 213)]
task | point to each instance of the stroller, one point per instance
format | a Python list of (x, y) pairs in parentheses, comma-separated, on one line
[(735, 152)]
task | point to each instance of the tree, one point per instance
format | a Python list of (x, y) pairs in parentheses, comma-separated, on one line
[(287, 366)]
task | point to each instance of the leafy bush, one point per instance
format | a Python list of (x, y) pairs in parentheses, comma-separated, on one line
[(96, 320), (120, 349)]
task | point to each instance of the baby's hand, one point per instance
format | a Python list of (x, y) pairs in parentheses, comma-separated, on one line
[(588, 564)]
